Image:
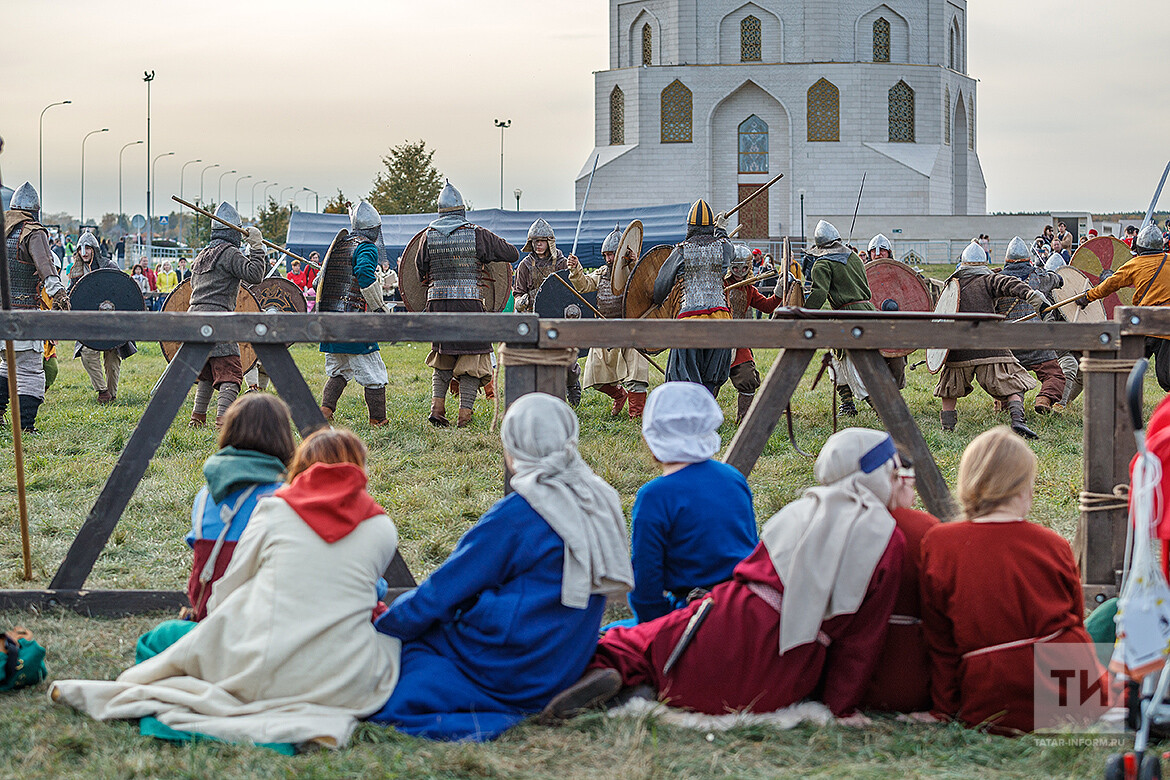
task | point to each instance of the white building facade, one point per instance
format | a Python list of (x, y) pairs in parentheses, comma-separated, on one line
[(712, 98)]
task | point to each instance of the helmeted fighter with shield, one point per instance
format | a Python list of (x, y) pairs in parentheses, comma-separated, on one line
[(451, 255), (349, 283), (216, 274), (621, 373), (30, 270), (745, 377), (880, 248), (542, 261), (103, 366)]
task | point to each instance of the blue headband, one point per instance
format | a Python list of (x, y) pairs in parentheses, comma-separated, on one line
[(882, 452)]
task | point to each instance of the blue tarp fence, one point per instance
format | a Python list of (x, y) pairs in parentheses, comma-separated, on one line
[(661, 225)]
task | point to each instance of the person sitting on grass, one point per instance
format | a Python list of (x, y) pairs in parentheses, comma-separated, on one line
[(692, 525), (982, 649), (804, 616), (255, 447), (287, 653), (512, 616)]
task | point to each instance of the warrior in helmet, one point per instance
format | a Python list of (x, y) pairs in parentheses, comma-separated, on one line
[(30, 270), (450, 256), (745, 377), (1041, 362), (621, 373), (995, 370), (698, 266), (215, 283), (103, 366), (880, 248), (354, 287), (1151, 281)]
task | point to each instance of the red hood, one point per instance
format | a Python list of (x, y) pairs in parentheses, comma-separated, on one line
[(331, 498)]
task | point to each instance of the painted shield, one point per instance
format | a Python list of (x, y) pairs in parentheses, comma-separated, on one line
[(631, 242), (106, 289), (275, 294), (495, 283), (180, 299), (638, 298), (1077, 282), (948, 303), (893, 287), (555, 301), (496, 286), (337, 290), (1098, 256)]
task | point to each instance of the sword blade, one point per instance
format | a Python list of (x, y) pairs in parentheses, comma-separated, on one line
[(1154, 202), (584, 203)]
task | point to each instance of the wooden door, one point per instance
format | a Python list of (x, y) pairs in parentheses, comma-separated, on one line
[(753, 216)]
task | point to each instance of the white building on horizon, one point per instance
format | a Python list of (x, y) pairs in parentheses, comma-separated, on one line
[(712, 98)]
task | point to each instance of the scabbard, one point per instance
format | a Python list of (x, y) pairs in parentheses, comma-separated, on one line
[(688, 634)]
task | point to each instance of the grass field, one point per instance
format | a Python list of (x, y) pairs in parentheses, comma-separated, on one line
[(434, 484)]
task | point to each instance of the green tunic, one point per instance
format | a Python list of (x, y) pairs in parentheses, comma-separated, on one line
[(843, 285)]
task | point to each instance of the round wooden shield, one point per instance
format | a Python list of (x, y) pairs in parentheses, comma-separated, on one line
[(555, 301), (1076, 282), (1101, 254), (275, 294), (638, 298), (495, 285), (893, 287), (631, 242), (948, 303), (106, 289), (180, 299)]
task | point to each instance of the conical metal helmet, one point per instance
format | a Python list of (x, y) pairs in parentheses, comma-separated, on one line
[(881, 242), (610, 244), (450, 200), (1150, 239), (26, 199), (973, 254), (88, 239), (364, 216), (541, 229), (743, 253), (825, 234), (1017, 250), (700, 214), (227, 213)]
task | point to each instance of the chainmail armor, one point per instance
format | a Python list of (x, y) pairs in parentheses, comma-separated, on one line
[(24, 279), (454, 265), (738, 299), (340, 291), (703, 276), (608, 304)]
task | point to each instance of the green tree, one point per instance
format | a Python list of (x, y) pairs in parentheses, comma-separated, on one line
[(410, 184), (338, 204), (273, 220)]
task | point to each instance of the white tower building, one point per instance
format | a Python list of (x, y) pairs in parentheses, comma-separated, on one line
[(711, 98)]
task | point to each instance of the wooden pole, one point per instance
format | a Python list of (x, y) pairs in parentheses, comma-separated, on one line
[(601, 316), (754, 195), (751, 280), (243, 231), (1050, 308)]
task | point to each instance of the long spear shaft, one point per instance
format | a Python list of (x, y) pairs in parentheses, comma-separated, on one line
[(858, 206), (1154, 202), (755, 194), (243, 231), (601, 316), (1049, 308), (584, 203)]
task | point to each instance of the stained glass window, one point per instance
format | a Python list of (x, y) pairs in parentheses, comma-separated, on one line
[(947, 118), (617, 117), (676, 114), (750, 45), (753, 145), (881, 40), (824, 112), (970, 123), (647, 45), (901, 113)]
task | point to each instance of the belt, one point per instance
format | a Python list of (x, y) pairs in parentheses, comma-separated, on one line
[(1035, 640)]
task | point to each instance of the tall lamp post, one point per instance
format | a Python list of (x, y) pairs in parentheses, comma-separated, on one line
[(183, 170), (503, 126), (249, 176), (254, 186), (267, 187), (219, 192), (148, 76), (286, 189), (518, 192), (124, 148), (83, 140), (41, 152), (316, 199), (205, 170), (150, 207)]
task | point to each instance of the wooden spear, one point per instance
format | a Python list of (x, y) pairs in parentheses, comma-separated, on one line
[(601, 316), (243, 231), (754, 195), (1050, 308), (752, 280)]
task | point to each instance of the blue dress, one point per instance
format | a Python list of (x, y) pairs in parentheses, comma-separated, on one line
[(485, 639)]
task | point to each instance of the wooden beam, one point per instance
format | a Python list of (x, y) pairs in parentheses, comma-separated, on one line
[(774, 394), (96, 603), (291, 385), (1143, 320), (132, 464), (1103, 404), (891, 408)]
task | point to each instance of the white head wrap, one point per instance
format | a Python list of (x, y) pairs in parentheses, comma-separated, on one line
[(540, 435), (681, 423), (826, 544)]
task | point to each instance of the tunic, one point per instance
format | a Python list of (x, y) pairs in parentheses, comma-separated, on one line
[(755, 300), (608, 366), (486, 640), (531, 273), (979, 288), (843, 284), (215, 283), (1013, 308), (690, 529), (733, 662)]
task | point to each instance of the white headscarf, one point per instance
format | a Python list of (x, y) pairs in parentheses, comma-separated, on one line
[(540, 435), (681, 423), (826, 544)]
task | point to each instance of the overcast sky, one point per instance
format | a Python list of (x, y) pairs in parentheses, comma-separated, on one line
[(308, 94)]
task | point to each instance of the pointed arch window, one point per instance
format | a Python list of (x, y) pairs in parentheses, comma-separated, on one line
[(750, 40), (901, 113), (971, 123), (753, 145), (947, 118), (617, 117), (824, 112), (881, 40), (953, 48), (677, 104), (647, 45)]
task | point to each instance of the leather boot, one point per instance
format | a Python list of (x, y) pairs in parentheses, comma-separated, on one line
[(999, 406), (573, 386), (489, 390), (595, 687), (327, 413), (198, 420), (1016, 408), (464, 418), (438, 416), (1043, 404), (949, 419), (618, 394), (847, 409), (743, 403), (376, 404), (637, 404)]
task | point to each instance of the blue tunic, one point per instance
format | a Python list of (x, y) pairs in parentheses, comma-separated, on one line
[(690, 529), (485, 639), (365, 260)]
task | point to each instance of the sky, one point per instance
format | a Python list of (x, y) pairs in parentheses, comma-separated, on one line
[(305, 94)]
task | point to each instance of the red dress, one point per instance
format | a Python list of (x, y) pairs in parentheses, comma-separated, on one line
[(901, 682), (755, 300), (984, 585), (734, 663)]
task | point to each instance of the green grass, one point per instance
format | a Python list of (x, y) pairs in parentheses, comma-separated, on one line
[(434, 484)]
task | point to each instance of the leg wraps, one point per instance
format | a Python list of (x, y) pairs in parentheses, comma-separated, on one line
[(227, 395), (376, 403), (442, 380), (468, 388), (202, 396), (332, 392), (29, 404)]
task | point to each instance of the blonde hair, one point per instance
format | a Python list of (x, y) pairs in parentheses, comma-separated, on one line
[(996, 467)]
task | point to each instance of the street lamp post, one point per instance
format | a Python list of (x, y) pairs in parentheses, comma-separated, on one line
[(205, 170), (254, 186), (219, 192), (148, 77), (518, 192), (124, 148), (249, 176), (83, 140), (286, 189), (503, 126), (316, 199), (182, 171), (267, 187), (41, 152), (150, 206)]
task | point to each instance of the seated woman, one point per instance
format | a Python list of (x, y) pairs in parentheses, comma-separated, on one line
[(287, 653), (994, 587), (255, 447), (512, 616), (804, 616), (692, 525)]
